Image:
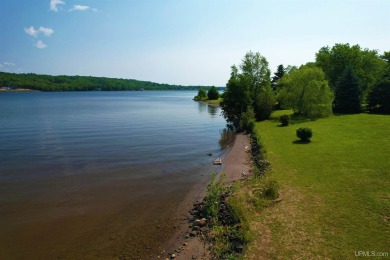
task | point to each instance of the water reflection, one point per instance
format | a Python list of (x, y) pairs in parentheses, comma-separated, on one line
[(202, 107), (227, 137), (213, 110)]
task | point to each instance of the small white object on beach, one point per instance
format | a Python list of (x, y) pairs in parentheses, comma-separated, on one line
[(217, 161), (243, 173)]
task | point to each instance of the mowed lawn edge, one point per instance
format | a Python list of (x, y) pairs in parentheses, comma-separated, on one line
[(335, 189)]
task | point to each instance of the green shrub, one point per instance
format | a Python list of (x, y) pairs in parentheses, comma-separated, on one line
[(265, 191), (285, 120), (215, 190), (271, 189), (213, 93), (304, 133), (202, 95), (248, 121)]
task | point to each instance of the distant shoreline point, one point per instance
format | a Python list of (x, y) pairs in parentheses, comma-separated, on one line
[(18, 90)]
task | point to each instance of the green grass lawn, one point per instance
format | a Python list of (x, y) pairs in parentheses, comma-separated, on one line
[(335, 189), (214, 102)]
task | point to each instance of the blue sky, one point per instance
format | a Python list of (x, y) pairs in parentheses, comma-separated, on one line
[(187, 42)]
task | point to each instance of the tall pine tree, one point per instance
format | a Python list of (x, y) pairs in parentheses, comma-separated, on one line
[(278, 75), (348, 93)]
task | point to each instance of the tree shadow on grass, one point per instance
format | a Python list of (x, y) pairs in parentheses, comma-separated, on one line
[(301, 142), (294, 120)]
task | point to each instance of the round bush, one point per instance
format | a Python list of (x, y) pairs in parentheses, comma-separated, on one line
[(285, 120), (304, 133)]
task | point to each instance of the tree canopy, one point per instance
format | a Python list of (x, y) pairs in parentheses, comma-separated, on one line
[(213, 93), (306, 92), (79, 83), (277, 75), (348, 93), (366, 63), (379, 95), (248, 86), (202, 94), (379, 98)]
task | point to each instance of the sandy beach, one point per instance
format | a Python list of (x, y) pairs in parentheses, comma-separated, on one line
[(234, 162)]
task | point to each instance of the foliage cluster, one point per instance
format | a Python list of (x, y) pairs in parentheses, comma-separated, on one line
[(379, 95), (278, 75), (353, 74), (265, 190), (213, 93), (356, 77), (306, 91), (379, 98), (228, 231), (248, 86), (202, 95), (366, 63), (80, 83), (348, 94), (284, 120), (248, 120), (304, 133)]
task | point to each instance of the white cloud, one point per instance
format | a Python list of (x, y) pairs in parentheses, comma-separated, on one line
[(46, 31), (31, 31), (40, 44), (34, 33), (82, 8), (8, 67), (9, 64), (54, 3)]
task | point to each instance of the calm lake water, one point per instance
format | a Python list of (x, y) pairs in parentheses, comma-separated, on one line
[(91, 174)]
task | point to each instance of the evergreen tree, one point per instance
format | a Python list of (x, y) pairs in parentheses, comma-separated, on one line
[(379, 98), (348, 93), (278, 75)]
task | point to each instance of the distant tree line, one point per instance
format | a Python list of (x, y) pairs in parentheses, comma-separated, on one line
[(343, 79), (81, 83)]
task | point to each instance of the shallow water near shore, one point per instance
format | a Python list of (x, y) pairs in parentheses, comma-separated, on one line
[(99, 174)]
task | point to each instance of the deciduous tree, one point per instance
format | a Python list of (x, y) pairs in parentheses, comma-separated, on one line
[(248, 86), (366, 63), (379, 98), (307, 92), (213, 93), (202, 94)]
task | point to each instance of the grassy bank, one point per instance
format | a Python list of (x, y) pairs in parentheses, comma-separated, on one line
[(335, 190)]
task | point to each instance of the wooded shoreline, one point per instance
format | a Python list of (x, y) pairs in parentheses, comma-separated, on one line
[(12, 81)]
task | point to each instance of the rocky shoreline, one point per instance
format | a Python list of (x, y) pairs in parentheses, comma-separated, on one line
[(192, 241)]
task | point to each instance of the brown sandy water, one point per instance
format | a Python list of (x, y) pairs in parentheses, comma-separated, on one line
[(92, 217)]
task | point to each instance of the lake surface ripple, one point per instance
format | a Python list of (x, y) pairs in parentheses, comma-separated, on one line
[(99, 174)]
